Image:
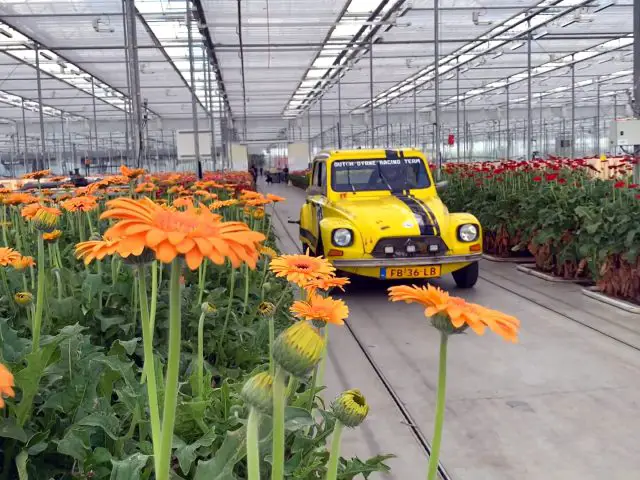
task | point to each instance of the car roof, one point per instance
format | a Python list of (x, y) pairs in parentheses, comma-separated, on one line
[(367, 153)]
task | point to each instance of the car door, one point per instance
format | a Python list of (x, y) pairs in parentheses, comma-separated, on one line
[(316, 200)]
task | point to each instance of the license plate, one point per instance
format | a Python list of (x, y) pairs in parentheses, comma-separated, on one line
[(397, 273)]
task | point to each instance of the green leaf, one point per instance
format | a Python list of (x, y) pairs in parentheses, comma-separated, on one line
[(12, 347), (121, 346), (221, 466), (129, 468), (108, 423), (75, 443), (296, 418), (10, 429), (186, 454), (21, 465), (108, 321)]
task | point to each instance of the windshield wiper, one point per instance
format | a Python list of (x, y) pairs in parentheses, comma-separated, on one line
[(384, 178), (349, 179)]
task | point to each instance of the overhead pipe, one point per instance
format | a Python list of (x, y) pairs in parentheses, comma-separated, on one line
[(244, 90)]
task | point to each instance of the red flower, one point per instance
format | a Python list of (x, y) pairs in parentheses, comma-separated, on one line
[(633, 185), (562, 181), (537, 179), (551, 176), (638, 196), (619, 184)]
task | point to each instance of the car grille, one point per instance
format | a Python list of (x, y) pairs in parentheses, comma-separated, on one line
[(399, 245)]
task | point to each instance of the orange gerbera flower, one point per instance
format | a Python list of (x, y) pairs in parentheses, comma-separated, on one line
[(146, 187), (275, 198), (193, 233), (453, 315), (257, 202), (37, 175), (23, 262), (301, 269), (326, 310), (51, 236), (183, 202), (6, 384), (131, 173), (84, 203), (222, 204), (205, 194), (19, 198), (326, 284), (29, 211), (246, 194), (8, 256), (176, 189), (96, 249)]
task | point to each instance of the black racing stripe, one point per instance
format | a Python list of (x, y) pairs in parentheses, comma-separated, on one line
[(432, 216), (426, 228), (391, 154)]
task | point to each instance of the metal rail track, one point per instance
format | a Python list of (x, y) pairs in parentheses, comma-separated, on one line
[(408, 418)]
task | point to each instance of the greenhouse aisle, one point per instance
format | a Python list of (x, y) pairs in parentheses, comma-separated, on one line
[(561, 404)]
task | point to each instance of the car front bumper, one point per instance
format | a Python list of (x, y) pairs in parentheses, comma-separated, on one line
[(405, 262)]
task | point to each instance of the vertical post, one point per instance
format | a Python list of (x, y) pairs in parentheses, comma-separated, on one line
[(415, 118), (386, 110), (309, 131), (573, 111), (209, 97), (436, 50), (63, 161), (508, 125), (127, 101), (24, 133), (134, 86), (373, 130), (194, 104), (40, 157), (529, 96), (540, 137), (95, 119), (339, 112), (321, 126), (458, 110), (636, 79), (598, 117)]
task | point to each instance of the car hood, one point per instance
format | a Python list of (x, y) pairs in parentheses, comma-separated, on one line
[(390, 216)]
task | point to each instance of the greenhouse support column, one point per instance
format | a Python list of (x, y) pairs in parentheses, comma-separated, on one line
[(386, 112), (134, 86), (309, 132), (436, 77), (573, 111), (598, 117), (373, 131), (194, 105), (127, 100), (40, 157), (95, 118), (636, 79), (24, 133), (508, 127), (458, 111), (63, 162), (415, 118), (339, 112), (529, 97), (212, 121), (540, 137), (321, 126)]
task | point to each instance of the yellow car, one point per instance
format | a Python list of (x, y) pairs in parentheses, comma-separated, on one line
[(377, 213)]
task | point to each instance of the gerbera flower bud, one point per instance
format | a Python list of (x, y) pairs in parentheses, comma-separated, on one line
[(23, 262), (350, 408), (266, 309), (51, 237), (298, 349), (258, 392), (46, 219), (23, 298), (209, 309)]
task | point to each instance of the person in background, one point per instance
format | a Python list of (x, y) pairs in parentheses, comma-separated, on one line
[(285, 171), (254, 173), (261, 171)]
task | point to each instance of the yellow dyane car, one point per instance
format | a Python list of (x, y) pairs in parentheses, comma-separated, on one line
[(377, 213)]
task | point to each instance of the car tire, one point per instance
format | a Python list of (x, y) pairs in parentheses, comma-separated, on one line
[(468, 276)]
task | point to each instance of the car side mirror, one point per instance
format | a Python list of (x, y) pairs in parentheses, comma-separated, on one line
[(442, 186)]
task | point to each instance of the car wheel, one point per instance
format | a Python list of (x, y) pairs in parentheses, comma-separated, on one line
[(468, 276)]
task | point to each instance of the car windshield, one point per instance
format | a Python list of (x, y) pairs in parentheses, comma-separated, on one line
[(394, 175)]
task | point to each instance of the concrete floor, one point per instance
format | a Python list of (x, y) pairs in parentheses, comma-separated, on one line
[(562, 404)]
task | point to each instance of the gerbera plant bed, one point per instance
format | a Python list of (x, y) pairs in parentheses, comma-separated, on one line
[(145, 333), (576, 225), (549, 277)]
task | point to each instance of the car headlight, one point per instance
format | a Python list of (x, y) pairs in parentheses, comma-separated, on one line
[(342, 237), (468, 232)]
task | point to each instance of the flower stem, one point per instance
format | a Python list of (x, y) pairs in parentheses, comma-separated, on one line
[(37, 318), (154, 294), (323, 362), (437, 428), (149, 367), (277, 472), (229, 308), (201, 355), (245, 267), (312, 388), (272, 338), (334, 456), (173, 367), (253, 452), (202, 275)]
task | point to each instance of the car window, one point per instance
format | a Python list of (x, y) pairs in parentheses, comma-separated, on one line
[(379, 174), (314, 174), (322, 175)]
